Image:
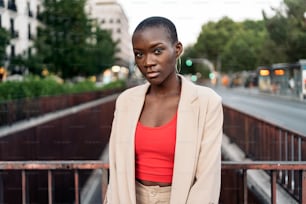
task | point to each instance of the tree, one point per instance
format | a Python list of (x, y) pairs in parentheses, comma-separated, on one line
[(242, 51), (287, 29), (103, 48), (4, 41), (236, 44), (214, 36), (68, 43)]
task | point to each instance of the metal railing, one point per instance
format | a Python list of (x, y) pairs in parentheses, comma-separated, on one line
[(75, 166), (274, 167), (50, 166), (23, 109), (262, 140)]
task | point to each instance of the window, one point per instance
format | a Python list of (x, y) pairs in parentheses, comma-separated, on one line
[(1, 3), (29, 51), (12, 51), (11, 5), (38, 14), (29, 32), (29, 9), (12, 27)]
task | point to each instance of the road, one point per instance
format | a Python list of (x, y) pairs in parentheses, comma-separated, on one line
[(285, 111)]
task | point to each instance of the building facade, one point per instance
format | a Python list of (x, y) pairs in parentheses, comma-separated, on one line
[(110, 16), (19, 17)]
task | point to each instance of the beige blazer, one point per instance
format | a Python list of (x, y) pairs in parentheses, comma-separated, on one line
[(197, 166)]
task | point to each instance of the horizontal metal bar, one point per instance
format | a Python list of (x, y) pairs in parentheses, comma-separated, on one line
[(51, 165), (265, 165), (93, 164)]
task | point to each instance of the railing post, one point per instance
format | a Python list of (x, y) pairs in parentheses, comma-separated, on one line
[(245, 186), (273, 187), (104, 183), (1, 188), (303, 186), (246, 136), (76, 187), (50, 187), (24, 187)]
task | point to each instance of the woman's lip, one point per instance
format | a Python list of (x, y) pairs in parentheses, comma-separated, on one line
[(152, 74)]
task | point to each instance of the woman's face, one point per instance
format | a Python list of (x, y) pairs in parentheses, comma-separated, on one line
[(155, 54)]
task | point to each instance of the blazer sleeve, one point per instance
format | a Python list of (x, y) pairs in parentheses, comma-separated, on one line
[(206, 188)]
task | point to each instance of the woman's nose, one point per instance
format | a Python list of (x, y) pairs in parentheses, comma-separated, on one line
[(148, 61)]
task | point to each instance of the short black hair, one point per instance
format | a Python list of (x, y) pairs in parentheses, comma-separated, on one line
[(158, 21)]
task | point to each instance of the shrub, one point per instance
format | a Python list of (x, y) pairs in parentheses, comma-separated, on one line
[(33, 87)]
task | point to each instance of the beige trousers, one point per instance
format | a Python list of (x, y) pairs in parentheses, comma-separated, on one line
[(152, 194)]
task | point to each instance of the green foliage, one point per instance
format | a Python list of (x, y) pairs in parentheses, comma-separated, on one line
[(248, 44), (115, 85), (4, 41), (101, 54), (69, 44), (237, 44), (83, 86), (33, 87), (242, 51), (287, 29), (29, 88), (214, 36)]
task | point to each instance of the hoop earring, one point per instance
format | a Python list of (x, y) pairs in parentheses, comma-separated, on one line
[(178, 65)]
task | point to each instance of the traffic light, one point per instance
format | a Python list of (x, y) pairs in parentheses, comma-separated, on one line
[(188, 62), (212, 75)]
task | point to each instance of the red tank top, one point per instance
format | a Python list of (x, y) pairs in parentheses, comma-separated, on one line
[(154, 152)]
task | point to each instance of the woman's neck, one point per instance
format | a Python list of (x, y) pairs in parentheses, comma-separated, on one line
[(172, 88)]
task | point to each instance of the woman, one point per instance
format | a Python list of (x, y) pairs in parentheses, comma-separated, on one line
[(165, 145)]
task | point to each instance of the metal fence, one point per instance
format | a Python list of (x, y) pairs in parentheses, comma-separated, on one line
[(22, 109), (25, 167), (262, 140)]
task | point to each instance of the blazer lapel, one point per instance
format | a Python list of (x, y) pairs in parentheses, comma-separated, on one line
[(186, 143), (135, 104)]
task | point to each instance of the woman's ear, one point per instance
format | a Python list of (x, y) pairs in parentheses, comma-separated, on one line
[(179, 49)]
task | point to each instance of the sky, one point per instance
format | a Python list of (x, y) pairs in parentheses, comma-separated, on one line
[(190, 15)]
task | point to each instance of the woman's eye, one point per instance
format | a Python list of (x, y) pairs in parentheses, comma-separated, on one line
[(138, 54), (157, 50)]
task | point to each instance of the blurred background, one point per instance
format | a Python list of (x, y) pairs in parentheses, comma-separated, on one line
[(90, 40), (64, 62)]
